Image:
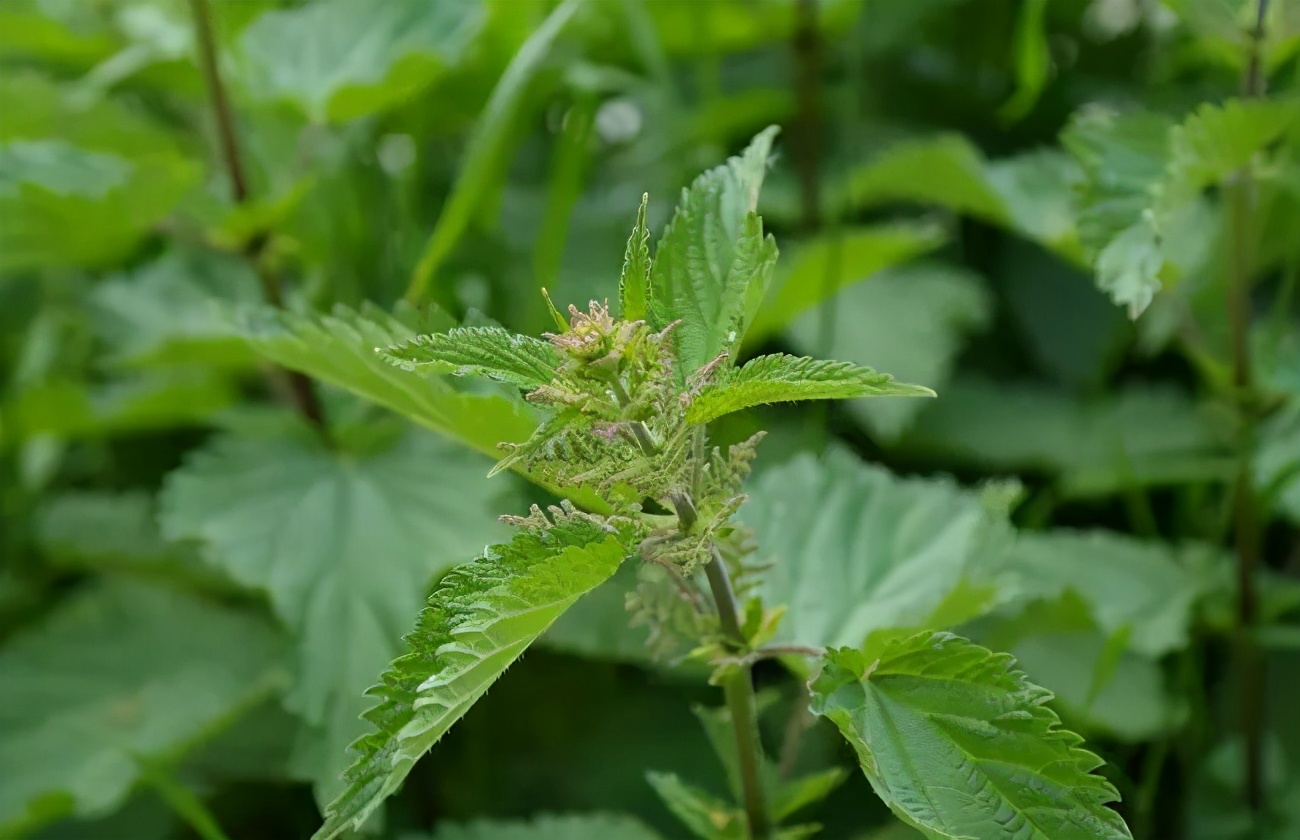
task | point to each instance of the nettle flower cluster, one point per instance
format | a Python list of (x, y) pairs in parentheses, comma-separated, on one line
[(625, 399)]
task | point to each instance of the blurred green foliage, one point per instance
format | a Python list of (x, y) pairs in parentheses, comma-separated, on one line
[(199, 582)]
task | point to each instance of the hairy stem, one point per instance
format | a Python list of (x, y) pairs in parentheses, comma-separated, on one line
[(738, 689), (301, 391), (1246, 519)]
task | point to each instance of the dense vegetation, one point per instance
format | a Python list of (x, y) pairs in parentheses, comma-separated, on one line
[(248, 251)]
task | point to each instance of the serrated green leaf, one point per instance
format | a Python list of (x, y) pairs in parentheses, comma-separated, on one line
[(120, 673), (492, 352), (713, 263), (548, 827), (1101, 685), (345, 546), (910, 320), (855, 550), (634, 281), (704, 815), (1216, 141), (339, 348), (481, 619), (783, 378), (958, 743), (338, 60), (1128, 268), (819, 268)]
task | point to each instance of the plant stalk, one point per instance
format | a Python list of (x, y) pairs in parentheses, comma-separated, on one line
[(738, 688), (1245, 506), (301, 391)]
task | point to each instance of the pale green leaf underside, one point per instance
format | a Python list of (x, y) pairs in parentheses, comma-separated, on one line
[(492, 352), (119, 673), (960, 744), (855, 550), (548, 827), (482, 617), (338, 60), (783, 378), (713, 263), (345, 545)]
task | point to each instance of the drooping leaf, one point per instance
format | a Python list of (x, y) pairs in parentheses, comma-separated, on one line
[(493, 352), (910, 320), (338, 60), (119, 674), (344, 544), (481, 618), (1146, 590), (959, 744), (1139, 437), (547, 827), (713, 263), (818, 269), (340, 349), (634, 281), (783, 378), (855, 550)]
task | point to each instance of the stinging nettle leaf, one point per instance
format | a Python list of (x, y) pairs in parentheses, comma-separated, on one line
[(713, 263), (783, 378), (487, 351), (959, 744), (481, 619), (634, 282)]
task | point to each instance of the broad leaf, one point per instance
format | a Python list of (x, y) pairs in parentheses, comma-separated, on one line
[(493, 352), (1216, 141), (48, 188), (481, 619), (910, 320), (167, 312), (118, 675), (338, 60), (340, 349), (1029, 194), (818, 269), (855, 549), (154, 400), (1135, 438), (959, 744), (1277, 461), (1145, 590), (634, 281), (345, 544), (547, 827), (783, 378), (712, 266)]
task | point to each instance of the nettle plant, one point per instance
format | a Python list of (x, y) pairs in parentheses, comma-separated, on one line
[(951, 735)]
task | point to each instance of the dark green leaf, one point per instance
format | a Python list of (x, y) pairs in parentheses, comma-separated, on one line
[(959, 744), (783, 378), (486, 351), (481, 619)]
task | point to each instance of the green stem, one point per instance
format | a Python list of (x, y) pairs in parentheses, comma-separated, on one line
[(738, 688), (301, 391), (185, 804), (1246, 517)]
